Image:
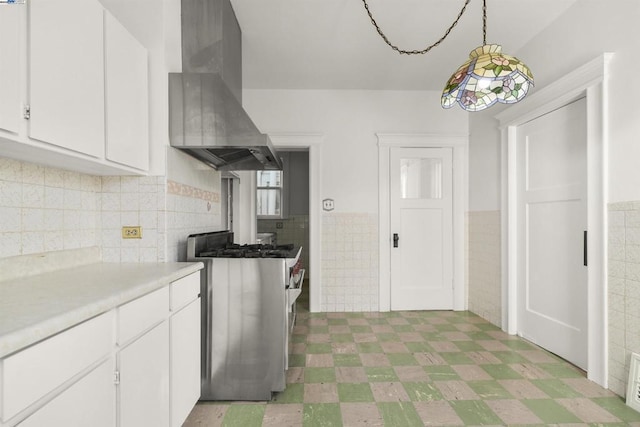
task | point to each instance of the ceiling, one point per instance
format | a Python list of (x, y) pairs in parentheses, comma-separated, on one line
[(331, 44)]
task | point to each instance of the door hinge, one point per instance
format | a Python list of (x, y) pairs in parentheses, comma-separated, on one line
[(26, 112), (116, 377)]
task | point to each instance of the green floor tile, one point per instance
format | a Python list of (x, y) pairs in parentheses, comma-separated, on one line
[(369, 347), (387, 337), (478, 335), (355, 392), (319, 348), (337, 321), (561, 370), (418, 347), (475, 412), (341, 338), (402, 359), (297, 360), (319, 375), (468, 346), (456, 358), (501, 372), (402, 414), (422, 391), (322, 415), (346, 360), (446, 327), (441, 373), (244, 415), (518, 345), (402, 328), (489, 390), (299, 338), (510, 357), (319, 329), (353, 314), (617, 407), (294, 393), (550, 411), (487, 327), (377, 321), (432, 336), (415, 320), (381, 374), (360, 329), (555, 388)]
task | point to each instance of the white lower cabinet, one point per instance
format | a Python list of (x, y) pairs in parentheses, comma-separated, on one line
[(89, 402), (144, 380), (185, 362), (136, 365)]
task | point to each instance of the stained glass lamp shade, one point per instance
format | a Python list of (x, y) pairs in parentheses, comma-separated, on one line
[(488, 76)]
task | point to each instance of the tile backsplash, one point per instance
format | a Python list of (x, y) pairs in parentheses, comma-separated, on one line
[(624, 291), (44, 209), (484, 265), (350, 262)]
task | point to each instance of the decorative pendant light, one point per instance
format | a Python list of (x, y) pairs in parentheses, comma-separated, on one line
[(488, 76)]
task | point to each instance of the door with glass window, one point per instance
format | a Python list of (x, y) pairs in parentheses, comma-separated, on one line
[(421, 190)]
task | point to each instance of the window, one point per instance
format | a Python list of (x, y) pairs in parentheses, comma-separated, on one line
[(269, 192)]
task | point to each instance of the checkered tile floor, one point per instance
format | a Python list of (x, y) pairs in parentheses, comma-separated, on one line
[(420, 369)]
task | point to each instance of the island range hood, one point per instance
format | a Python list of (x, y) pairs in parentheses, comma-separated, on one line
[(206, 118)]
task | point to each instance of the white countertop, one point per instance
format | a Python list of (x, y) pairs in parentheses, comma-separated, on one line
[(36, 307)]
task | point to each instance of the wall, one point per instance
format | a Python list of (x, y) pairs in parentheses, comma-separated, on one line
[(349, 121), (555, 51), (624, 290), (45, 209)]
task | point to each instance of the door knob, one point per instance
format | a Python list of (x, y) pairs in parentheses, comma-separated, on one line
[(396, 238)]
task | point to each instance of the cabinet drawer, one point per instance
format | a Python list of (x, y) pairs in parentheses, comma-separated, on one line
[(184, 290), (141, 314), (32, 373)]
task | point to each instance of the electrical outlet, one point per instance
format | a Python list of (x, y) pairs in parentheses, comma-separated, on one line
[(133, 232), (327, 204)]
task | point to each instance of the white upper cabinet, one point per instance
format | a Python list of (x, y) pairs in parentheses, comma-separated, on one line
[(66, 74), (10, 76), (126, 97), (83, 78)]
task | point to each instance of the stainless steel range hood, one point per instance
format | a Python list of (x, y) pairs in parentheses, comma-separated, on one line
[(206, 118), (208, 122)]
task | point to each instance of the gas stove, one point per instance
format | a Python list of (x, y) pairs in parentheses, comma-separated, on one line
[(233, 250), (248, 295)]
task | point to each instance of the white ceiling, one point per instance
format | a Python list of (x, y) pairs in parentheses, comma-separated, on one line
[(331, 44)]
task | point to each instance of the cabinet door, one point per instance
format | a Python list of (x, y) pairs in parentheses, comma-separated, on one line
[(126, 97), (66, 74), (185, 362), (10, 75), (89, 402), (144, 380)]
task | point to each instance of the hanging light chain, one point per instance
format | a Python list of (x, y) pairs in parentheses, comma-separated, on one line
[(484, 22), (427, 49)]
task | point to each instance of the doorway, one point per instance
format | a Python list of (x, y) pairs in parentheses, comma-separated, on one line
[(283, 215), (552, 231), (589, 81), (421, 191)]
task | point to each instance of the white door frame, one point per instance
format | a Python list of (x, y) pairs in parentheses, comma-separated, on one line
[(459, 144), (312, 141), (588, 81)]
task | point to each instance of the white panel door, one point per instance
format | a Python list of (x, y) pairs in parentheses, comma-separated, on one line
[(552, 220), (10, 72), (422, 229), (66, 74)]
